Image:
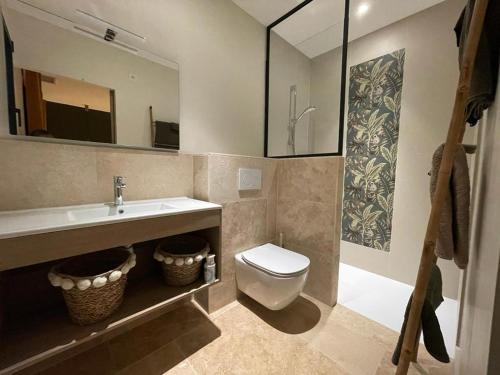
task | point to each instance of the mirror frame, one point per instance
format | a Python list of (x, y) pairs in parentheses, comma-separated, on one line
[(345, 41)]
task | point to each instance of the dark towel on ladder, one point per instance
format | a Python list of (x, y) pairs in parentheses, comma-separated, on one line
[(485, 74), (433, 338)]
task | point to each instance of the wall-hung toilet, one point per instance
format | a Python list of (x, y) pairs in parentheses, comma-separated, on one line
[(271, 275)]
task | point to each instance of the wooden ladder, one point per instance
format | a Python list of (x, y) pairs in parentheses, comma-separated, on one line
[(455, 135)]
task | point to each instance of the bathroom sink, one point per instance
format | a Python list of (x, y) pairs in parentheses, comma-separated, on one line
[(108, 210), (42, 220)]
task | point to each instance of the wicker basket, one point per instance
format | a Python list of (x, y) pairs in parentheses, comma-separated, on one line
[(181, 258), (93, 284)]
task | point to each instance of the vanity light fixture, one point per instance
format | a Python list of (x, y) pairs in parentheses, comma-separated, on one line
[(102, 26), (362, 9), (94, 35), (109, 35)]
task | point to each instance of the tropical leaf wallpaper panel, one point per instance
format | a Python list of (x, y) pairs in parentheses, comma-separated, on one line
[(372, 144)]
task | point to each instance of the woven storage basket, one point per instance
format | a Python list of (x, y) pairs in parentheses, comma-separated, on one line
[(93, 284), (181, 258)]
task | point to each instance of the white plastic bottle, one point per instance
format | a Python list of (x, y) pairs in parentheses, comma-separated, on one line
[(210, 269)]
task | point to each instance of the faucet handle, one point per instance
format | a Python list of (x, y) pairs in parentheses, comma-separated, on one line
[(118, 180)]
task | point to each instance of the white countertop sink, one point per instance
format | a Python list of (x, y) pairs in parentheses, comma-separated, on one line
[(42, 220)]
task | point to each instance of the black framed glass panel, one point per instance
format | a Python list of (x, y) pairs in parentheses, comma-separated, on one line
[(305, 80)]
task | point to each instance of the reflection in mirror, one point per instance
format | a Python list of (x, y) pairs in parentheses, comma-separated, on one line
[(69, 83), (64, 108), (304, 78)]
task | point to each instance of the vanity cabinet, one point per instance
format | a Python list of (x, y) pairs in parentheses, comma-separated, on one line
[(35, 329)]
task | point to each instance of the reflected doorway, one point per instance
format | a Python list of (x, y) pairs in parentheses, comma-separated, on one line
[(54, 106)]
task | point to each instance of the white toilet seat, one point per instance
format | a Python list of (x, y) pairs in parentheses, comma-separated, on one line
[(276, 261)]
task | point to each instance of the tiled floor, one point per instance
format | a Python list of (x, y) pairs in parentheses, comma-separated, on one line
[(244, 338), (384, 300)]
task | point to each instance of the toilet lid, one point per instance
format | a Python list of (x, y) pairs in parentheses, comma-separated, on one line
[(276, 260)]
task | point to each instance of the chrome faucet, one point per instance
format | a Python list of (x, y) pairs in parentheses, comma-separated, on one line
[(118, 185)]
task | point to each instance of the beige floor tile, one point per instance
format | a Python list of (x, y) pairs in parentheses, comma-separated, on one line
[(306, 338), (183, 368), (425, 366), (157, 362), (148, 338), (356, 344), (248, 345), (299, 317), (94, 361), (357, 354)]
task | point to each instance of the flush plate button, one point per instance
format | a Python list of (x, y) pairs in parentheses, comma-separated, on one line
[(249, 179)]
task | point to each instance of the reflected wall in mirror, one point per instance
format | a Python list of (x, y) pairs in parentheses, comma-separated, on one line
[(70, 83), (304, 81)]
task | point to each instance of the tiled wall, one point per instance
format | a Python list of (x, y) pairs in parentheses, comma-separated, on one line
[(308, 215), (299, 197), (36, 174), (248, 218)]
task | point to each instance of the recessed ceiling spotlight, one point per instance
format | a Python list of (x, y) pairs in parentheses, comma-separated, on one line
[(363, 8)]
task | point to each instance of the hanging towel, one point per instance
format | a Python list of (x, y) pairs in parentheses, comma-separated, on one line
[(433, 337), (453, 239), (166, 135), (485, 74)]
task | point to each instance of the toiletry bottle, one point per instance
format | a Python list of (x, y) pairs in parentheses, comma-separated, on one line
[(210, 269)]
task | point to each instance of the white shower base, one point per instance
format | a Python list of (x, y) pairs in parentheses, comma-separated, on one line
[(384, 300)]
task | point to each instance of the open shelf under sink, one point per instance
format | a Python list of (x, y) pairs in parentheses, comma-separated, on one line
[(29, 340), (35, 328)]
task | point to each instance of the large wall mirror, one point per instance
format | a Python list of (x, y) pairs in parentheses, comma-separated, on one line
[(305, 80), (81, 78)]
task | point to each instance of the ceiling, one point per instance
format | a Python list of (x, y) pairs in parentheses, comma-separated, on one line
[(318, 27), (315, 29)]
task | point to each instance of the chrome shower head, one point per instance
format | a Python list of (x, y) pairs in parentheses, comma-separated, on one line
[(306, 111)]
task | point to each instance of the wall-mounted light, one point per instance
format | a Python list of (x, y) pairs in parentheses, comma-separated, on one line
[(362, 9), (109, 35)]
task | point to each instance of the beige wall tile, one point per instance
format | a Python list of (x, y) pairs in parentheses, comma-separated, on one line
[(300, 198), (36, 175), (308, 224), (308, 215), (322, 281), (272, 205), (243, 225), (248, 217), (148, 174), (223, 175), (339, 189), (311, 179), (222, 294), (200, 177)]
